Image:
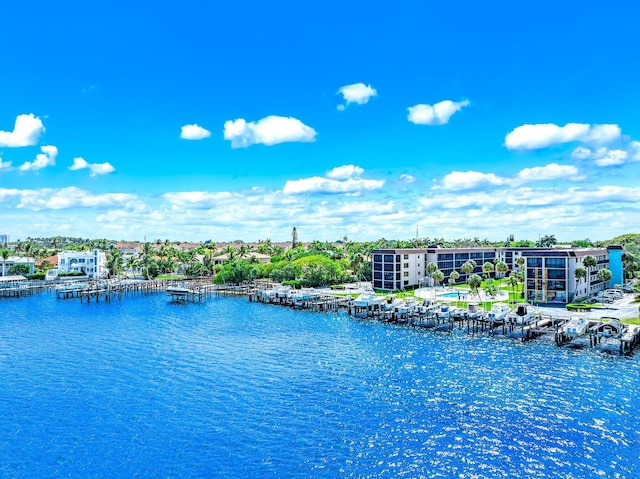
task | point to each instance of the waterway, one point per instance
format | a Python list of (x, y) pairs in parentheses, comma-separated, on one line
[(145, 388)]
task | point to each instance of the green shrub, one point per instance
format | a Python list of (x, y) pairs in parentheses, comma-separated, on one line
[(338, 286), (292, 282), (578, 307), (36, 276)]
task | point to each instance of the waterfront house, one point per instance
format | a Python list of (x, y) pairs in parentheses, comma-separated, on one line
[(91, 263), (5, 266)]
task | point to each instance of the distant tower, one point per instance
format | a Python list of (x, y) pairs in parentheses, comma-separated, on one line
[(294, 238)]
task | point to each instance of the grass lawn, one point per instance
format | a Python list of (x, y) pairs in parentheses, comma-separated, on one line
[(631, 321), (170, 276)]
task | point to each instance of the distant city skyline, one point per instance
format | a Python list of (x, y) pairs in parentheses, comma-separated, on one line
[(213, 121)]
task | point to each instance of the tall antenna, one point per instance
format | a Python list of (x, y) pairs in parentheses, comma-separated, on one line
[(294, 238)]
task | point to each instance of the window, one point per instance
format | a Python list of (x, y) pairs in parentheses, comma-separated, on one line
[(555, 273), (377, 284), (377, 275), (555, 262), (397, 258), (377, 266), (406, 274), (388, 258), (388, 266), (406, 256), (406, 265), (406, 282), (377, 258), (534, 262)]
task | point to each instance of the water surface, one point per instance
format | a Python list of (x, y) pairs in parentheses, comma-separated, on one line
[(142, 387)]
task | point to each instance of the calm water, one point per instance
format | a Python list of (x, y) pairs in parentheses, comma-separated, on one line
[(145, 388)]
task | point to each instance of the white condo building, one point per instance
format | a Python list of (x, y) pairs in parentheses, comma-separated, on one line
[(549, 273), (92, 263)]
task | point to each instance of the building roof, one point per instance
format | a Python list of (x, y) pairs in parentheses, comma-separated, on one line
[(253, 254), (16, 277)]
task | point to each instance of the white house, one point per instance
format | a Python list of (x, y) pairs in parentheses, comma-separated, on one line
[(5, 266), (92, 263)]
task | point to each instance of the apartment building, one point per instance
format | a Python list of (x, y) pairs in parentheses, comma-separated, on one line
[(549, 273)]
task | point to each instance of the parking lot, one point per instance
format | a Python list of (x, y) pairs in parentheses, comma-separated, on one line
[(622, 308)]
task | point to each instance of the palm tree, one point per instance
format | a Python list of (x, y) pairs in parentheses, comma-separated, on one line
[(467, 268), (231, 253), (453, 277), (432, 268), (547, 241), (474, 282), (147, 254), (589, 262), (114, 262), (438, 276), (514, 279), (580, 273), (604, 275), (4, 253), (502, 267), (488, 268), (133, 264)]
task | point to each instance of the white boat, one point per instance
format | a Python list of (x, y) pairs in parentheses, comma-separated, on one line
[(498, 313), (407, 306), (304, 294), (175, 289), (368, 298), (474, 312), (577, 326), (278, 292), (520, 316)]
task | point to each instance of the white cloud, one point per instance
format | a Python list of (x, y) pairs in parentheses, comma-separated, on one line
[(194, 132), (406, 179), (581, 153), (552, 171), (267, 131), (468, 180), (318, 184), (344, 172), (611, 157), (4, 165), (62, 198), (437, 114), (26, 132), (536, 136), (95, 168), (606, 157), (44, 159), (634, 148), (356, 93)]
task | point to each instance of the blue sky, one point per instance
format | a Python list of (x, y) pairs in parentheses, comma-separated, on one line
[(203, 120)]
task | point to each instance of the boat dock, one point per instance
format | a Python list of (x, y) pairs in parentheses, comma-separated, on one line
[(196, 290), (621, 336)]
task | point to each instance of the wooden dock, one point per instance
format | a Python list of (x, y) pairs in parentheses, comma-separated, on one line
[(628, 338)]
